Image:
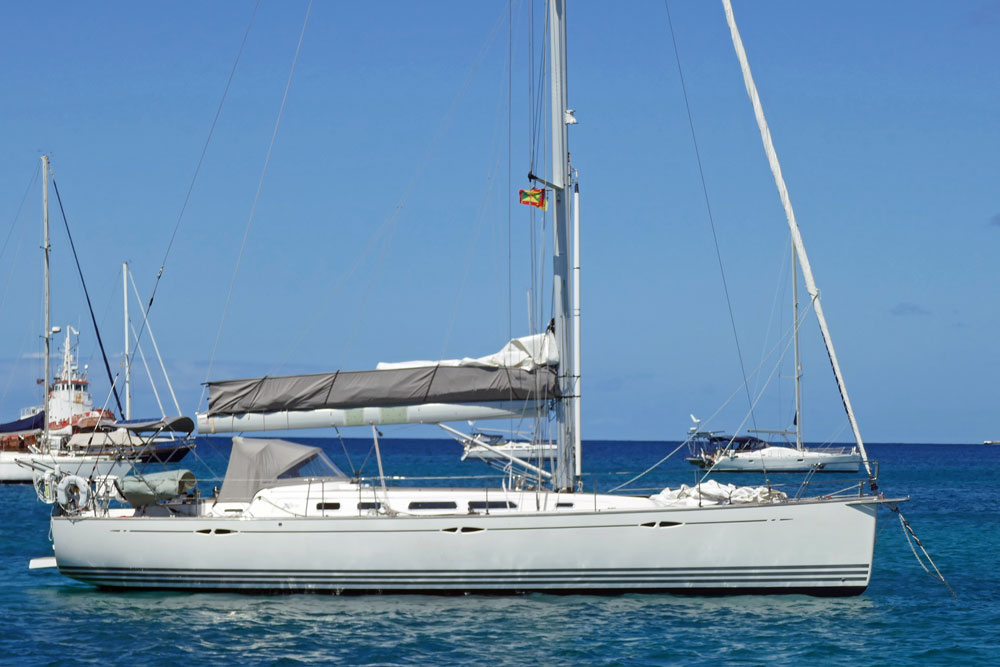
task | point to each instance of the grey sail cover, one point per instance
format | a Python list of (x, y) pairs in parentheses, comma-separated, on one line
[(258, 462), (525, 370), (359, 389)]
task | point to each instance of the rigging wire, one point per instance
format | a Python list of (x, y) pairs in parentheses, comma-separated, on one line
[(760, 395), (17, 251), (86, 293), (17, 214), (197, 170), (510, 167), (386, 230), (707, 422), (354, 471), (538, 98), (13, 266), (488, 201), (776, 315), (708, 208), (256, 199)]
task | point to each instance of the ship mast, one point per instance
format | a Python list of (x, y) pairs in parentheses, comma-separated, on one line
[(128, 357), (48, 321), (798, 364), (566, 463)]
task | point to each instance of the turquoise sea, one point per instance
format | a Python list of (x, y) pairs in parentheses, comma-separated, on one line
[(905, 617)]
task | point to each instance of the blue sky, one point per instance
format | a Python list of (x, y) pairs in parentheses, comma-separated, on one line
[(381, 232)]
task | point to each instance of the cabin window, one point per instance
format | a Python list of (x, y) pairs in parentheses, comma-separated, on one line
[(491, 505), (317, 465), (328, 506), (433, 505), (558, 505), (369, 506)]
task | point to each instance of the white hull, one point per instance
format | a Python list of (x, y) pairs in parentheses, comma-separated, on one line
[(815, 547), (780, 459), (82, 465)]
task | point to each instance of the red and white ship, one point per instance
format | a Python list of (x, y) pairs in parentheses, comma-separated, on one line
[(71, 407), (70, 411)]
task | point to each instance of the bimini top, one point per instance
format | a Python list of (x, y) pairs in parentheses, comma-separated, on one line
[(256, 463), (179, 424)]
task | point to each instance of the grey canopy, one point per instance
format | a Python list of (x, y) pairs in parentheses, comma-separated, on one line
[(256, 463)]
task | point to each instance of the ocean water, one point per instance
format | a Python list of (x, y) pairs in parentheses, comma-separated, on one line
[(905, 617)]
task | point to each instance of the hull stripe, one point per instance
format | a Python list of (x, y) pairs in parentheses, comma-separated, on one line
[(826, 577)]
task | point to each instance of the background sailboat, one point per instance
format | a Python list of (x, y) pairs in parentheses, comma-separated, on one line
[(66, 403), (757, 451)]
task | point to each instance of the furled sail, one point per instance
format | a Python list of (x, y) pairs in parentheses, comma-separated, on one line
[(518, 380)]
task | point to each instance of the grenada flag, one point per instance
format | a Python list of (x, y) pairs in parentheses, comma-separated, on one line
[(534, 197)]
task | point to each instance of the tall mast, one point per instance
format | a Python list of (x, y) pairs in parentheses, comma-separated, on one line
[(128, 359), (560, 182), (798, 365), (48, 319)]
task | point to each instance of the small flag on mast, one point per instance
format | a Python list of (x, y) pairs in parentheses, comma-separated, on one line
[(535, 197)]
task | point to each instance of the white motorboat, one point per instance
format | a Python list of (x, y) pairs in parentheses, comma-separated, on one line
[(285, 519)]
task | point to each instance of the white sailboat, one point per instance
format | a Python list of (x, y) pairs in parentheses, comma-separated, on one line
[(286, 519), (483, 445), (717, 452), (39, 440)]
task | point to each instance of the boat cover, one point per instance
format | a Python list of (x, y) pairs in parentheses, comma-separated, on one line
[(523, 371), (33, 423), (147, 489), (256, 463), (711, 492)]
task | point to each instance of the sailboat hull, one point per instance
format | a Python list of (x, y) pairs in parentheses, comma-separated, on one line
[(814, 547), (780, 459)]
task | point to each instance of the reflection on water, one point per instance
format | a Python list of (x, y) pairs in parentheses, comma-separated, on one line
[(469, 629)]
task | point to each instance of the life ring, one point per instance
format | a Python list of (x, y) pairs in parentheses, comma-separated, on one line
[(73, 493)]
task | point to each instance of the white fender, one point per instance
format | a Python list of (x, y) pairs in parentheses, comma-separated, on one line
[(107, 489), (73, 493), (45, 485)]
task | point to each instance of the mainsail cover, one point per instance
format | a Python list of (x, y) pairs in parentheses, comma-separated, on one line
[(524, 370)]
